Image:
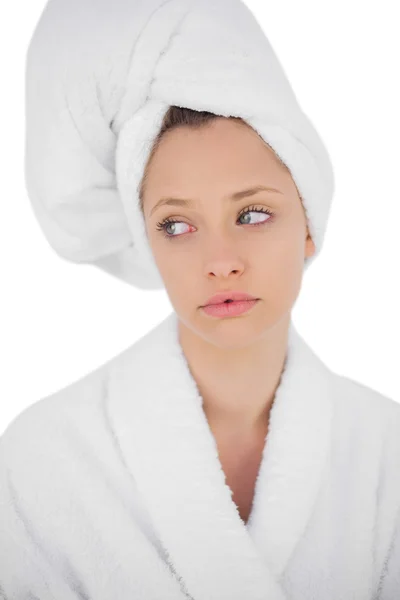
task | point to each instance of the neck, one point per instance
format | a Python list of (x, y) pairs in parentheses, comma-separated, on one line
[(237, 384)]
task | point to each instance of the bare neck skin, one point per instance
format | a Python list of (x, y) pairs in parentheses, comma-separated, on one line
[(237, 385)]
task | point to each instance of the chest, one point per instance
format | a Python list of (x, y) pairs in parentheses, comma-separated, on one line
[(241, 465)]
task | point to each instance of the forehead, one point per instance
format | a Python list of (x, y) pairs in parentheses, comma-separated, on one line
[(218, 152)]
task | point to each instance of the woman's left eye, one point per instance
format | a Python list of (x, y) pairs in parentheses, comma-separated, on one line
[(164, 224), (248, 211)]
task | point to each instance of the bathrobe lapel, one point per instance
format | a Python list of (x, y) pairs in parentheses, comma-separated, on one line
[(156, 411)]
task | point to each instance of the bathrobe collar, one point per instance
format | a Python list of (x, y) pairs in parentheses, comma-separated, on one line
[(166, 442)]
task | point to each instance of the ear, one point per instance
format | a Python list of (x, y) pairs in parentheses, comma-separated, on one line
[(309, 245)]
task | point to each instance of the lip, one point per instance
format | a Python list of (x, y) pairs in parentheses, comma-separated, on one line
[(229, 309), (228, 295)]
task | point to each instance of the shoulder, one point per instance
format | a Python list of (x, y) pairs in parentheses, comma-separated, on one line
[(357, 398), (45, 429), (367, 421), (60, 452), (73, 415)]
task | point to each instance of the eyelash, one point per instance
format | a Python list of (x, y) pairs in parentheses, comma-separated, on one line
[(163, 224)]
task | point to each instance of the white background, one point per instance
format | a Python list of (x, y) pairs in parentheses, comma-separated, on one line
[(59, 320)]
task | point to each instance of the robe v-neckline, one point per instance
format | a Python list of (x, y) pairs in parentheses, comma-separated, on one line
[(157, 416)]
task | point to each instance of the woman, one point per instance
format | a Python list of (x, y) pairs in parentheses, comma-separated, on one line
[(217, 457), (235, 351)]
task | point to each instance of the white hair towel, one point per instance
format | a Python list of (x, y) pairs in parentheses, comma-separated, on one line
[(100, 76)]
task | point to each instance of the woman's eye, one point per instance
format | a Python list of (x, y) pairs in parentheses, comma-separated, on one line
[(174, 225), (262, 216)]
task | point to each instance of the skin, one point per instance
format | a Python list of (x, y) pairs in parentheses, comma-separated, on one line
[(237, 361)]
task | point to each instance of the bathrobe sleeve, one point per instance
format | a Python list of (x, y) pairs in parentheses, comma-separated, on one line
[(26, 571)]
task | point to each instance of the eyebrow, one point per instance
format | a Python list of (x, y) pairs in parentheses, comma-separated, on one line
[(171, 201)]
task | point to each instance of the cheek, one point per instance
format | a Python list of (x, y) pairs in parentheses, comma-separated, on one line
[(175, 266), (283, 249), (161, 254), (280, 270)]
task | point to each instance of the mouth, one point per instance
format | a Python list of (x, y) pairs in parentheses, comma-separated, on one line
[(230, 308), (230, 301)]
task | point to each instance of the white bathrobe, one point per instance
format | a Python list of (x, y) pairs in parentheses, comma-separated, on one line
[(112, 488)]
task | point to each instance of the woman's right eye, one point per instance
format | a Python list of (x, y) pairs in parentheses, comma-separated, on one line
[(162, 226)]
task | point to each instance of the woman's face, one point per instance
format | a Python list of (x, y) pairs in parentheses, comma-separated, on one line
[(210, 246)]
